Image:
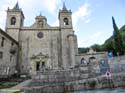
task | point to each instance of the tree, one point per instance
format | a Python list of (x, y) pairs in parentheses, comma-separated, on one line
[(118, 42), (122, 31), (96, 47), (110, 47), (83, 50)]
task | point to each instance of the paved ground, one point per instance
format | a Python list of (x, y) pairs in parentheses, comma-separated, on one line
[(18, 87), (22, 84)]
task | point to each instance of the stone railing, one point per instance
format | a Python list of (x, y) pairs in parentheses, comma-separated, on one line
[(6, 71)]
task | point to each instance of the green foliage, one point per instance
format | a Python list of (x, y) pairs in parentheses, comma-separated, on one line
[(115, 44), (109, 46), (9, 82), (83, 50), (92, 83), (96, 47), (118, 42), (122, 31)]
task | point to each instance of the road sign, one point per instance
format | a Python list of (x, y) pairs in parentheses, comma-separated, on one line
[(110, 55), (108, 74)]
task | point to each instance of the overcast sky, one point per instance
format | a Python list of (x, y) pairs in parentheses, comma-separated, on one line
[(91, 18)]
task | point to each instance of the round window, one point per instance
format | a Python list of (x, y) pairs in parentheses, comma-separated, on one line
[(40, 35)]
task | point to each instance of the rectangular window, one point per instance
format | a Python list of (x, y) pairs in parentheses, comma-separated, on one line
[(2, 42), (43, 64), (12, 43), (1, 55), (37, 66)]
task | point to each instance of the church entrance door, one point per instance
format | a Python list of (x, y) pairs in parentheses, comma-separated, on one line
[(37, 66), (40, 65)]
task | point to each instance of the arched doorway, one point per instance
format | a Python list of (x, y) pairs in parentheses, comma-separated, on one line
[(83, 61), (40, 65), (39, 62), (92, 59)]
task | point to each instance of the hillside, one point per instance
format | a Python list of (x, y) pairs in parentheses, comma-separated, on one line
[(108, 44)]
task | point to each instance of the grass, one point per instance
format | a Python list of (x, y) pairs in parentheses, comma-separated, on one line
[(11, 81), (11, 90)]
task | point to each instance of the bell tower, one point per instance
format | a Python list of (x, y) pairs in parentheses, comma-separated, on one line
[(66, 31), (14, 21), (65, 17)]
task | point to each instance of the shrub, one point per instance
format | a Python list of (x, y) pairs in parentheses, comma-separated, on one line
[(92, 83)]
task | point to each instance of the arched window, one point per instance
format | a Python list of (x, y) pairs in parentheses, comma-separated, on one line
[(13, 21), (40, 24), (66, 21), (92, 59), (83, 61)]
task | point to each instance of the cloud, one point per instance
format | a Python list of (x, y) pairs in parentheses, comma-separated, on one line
[(2, 19), (81, 14), (56, 23), (95, 36), (87, 21), (44, 5), (3, 9), (90, 39), (51, 5), (29, 7)]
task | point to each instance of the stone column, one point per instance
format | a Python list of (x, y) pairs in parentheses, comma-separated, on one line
[(71, 49)]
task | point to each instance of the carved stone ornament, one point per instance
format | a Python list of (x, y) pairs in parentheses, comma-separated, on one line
[(40, 56)]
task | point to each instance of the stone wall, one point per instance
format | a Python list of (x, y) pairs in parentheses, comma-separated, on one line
[(117, 59), (55, 88), (87, 56), (76, 79), (51, 77), (9, 54), (116, 67), (53, 81), (116, 80), (100, 82)]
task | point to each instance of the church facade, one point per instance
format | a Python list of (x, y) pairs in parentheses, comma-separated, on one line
[(41, 46)]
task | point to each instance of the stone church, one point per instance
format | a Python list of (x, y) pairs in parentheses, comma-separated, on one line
[(41, 46)]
